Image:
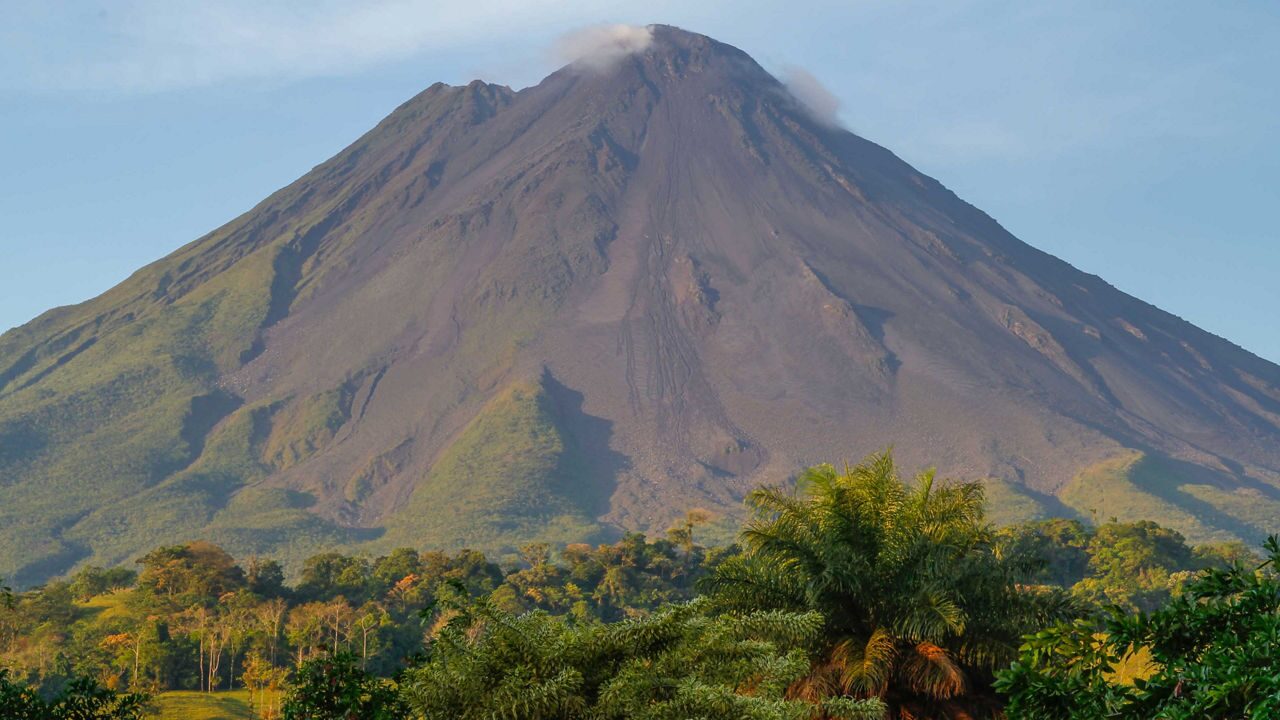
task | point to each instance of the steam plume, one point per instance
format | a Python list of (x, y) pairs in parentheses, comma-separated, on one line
[(599, 46), (821, 103)]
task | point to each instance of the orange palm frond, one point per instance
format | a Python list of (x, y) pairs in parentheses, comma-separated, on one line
[(930, 670)]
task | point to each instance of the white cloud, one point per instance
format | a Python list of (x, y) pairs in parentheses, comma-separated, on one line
[(821, 103), (155, 45), (599, 46)]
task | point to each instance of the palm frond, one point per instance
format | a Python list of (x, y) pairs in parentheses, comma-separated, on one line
[(931, 671), (866, 667)]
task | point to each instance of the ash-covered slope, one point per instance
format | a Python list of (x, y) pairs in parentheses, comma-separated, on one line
[(588, 306)]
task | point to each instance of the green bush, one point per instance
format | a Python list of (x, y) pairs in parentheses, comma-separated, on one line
[(1213, 650), (335, 688), (81, 699)]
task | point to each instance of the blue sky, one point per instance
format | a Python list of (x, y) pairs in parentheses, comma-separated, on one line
[(1136, 140)]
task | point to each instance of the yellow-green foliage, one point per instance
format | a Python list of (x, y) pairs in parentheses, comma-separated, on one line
[(107, 607), (509, 477), (1134, 666)]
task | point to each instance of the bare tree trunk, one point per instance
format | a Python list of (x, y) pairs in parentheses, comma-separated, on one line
[(215, 660)]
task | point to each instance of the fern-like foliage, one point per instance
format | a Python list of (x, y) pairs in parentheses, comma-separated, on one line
[(683, 662)]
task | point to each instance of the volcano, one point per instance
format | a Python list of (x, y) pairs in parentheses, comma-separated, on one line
[(643, 285)]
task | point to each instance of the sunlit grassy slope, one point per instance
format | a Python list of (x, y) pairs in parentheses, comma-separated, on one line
[(109, 399), (190, 705), (115, 433), (513, 475), (1135, 486), (1008, 503)]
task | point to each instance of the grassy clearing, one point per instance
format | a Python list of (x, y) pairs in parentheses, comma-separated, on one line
[(192, 705), (1256, 512)]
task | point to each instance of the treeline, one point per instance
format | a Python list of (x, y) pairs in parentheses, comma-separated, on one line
[(191, 617), (856, 595)]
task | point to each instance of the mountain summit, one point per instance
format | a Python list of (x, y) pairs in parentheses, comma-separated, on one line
[(648, 283)]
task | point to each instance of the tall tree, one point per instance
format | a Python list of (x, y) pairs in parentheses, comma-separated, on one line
[(270, 616), (182, 575), (919, 607)]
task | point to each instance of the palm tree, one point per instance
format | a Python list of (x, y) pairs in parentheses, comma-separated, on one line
[(920, 606)]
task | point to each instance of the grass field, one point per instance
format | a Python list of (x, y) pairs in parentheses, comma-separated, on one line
[(193, 705)]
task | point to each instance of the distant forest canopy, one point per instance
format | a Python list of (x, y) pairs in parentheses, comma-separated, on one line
[(191, 617)]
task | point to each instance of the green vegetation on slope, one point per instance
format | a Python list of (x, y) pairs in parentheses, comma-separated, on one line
[(512, 475), (214, 496), (128, 441), (106, 407), (305, 426), (107, 424), (1009, 503), (1136, 486)]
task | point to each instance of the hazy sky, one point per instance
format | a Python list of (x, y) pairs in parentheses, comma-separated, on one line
[(1136, 140)]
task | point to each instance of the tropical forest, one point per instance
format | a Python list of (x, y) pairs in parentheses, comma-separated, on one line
[(858, 593)]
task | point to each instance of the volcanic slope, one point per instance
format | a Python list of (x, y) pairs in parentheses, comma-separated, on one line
[(587, 306)]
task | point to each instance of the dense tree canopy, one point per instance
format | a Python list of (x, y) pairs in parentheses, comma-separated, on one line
[(1214, 652), (851, 593)]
